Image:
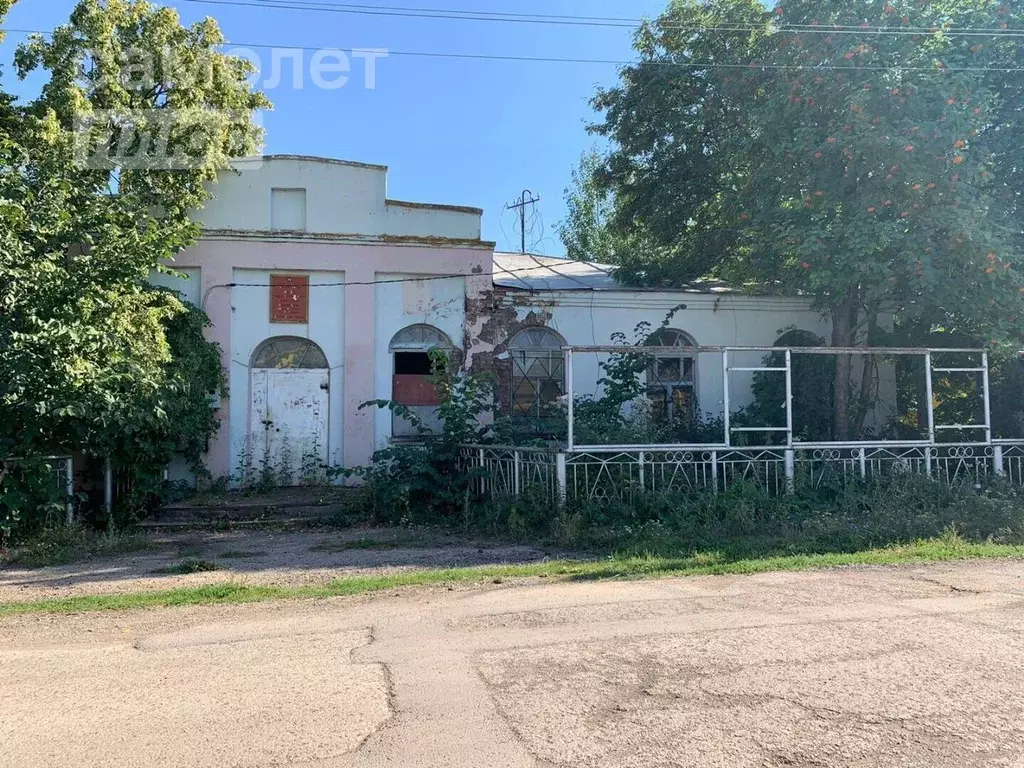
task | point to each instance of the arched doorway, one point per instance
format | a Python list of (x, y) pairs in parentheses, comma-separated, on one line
[(290, 403)]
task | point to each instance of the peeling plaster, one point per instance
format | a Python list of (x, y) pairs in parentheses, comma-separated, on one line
[(492, 321)]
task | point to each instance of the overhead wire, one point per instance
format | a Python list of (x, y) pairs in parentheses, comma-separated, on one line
[(690, 65), (425, 278), (608, 21)]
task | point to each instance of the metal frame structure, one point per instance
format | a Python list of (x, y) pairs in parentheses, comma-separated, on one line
[(788, 352)]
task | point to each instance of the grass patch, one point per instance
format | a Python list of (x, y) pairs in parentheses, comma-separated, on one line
[(944, 548), (240, 554), (191, 565)]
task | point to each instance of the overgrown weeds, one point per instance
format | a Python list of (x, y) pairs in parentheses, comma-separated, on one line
[(745, 520), (60, 545)]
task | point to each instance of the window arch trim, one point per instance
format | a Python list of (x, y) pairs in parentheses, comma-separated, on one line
[(289, 352), (420, 337)]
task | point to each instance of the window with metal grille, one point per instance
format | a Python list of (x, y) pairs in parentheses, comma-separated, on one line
[(671, 377), (538, 372)]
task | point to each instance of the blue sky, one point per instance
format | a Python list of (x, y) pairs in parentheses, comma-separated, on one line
[(463, 132)]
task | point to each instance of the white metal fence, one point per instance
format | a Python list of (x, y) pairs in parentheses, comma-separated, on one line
[(62, 469), (936, 362), (505, 471)]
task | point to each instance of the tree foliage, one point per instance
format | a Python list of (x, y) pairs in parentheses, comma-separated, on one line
[(585, 232), (95, 359), (862, 153)]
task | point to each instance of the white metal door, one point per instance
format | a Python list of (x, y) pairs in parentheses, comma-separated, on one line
[(289, 422)]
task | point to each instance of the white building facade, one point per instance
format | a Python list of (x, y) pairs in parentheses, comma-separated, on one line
[(324, 294)]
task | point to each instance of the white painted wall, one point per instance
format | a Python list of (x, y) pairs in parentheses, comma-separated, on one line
[(250, 326), (342, 198), (188, 287), (590, 318), (440, 303)]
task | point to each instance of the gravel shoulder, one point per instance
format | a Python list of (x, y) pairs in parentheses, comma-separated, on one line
[(286, 558)]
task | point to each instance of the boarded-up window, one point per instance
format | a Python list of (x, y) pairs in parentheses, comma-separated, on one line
[(288, 209), (289, 299), (412, 384)]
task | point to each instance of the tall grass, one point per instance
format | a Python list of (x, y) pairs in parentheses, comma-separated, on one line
[(859, 515)]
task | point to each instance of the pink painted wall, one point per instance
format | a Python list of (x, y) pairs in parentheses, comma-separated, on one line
[(359, 262)]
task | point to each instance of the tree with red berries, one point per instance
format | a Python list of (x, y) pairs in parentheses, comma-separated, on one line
[(867, 154)]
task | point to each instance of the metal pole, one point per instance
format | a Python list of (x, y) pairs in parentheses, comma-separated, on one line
[(569, 385), (69, 488), (997, 461), (789, 398), (562, 477), (863, 463), (988, 404), (725, 396), (790, 463), (930, 398), (714, 470), (643, 484), (483, 478), (108, 487), (516, 482)]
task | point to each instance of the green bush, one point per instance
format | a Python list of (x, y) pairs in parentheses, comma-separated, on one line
[(29, 498), (424, 482)]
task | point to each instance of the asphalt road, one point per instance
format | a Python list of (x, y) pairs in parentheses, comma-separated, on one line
[(902, 667)]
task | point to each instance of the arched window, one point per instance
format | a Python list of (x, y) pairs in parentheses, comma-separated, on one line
[(538, 371), (411, 349), (671, 376), (813, 378), (288, 352), (412, 382), (420, 337)]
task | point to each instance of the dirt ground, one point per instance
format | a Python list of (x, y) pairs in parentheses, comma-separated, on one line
[(913, 666), (310, 556)]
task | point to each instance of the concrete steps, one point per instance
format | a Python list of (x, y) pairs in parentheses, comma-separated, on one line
[(291, 506)]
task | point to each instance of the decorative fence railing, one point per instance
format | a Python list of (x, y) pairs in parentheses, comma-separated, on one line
[(62, 469), (557, 475)]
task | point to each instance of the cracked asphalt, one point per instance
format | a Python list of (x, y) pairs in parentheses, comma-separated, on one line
[(918, 666)]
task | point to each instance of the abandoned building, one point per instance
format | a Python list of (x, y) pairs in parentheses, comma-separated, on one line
[(324, 294)]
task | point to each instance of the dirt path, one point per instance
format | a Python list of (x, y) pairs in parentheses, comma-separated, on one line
[(855, 667), (258, 557)]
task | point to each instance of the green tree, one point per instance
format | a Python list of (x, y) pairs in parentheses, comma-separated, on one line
[(95, 359), (584, 231), (861, 153)]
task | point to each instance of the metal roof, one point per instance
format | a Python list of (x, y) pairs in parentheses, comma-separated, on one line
[(530, 272)]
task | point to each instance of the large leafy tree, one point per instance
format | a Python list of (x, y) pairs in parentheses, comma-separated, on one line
[(93, 357), (866, 153)]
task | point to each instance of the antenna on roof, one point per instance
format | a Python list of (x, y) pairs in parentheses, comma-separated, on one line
[(524, 200)]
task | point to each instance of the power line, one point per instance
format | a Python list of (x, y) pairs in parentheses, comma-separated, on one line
[(426, 278), (608, 21), (690, 65)]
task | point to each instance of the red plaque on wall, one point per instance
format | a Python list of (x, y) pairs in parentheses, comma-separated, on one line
[(289, 299)]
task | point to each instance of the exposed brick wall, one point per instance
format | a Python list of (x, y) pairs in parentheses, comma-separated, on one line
[(496, 315)]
